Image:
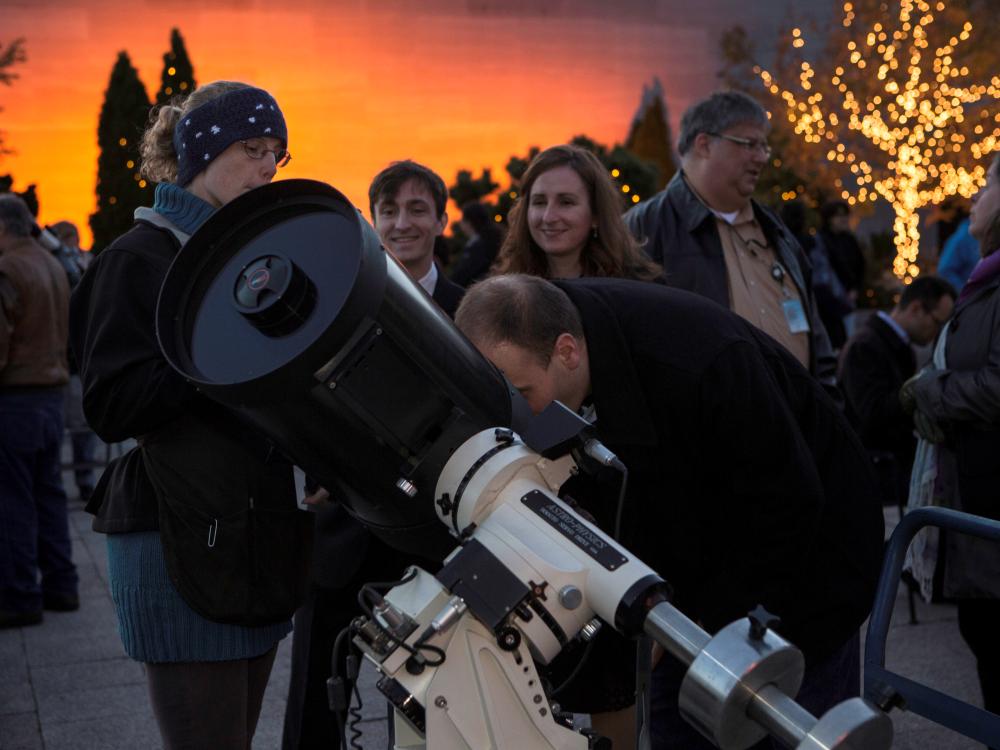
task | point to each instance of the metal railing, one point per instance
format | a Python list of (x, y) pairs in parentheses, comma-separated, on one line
[(888, 689)]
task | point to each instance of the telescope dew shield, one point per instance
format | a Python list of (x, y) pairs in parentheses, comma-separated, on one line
[(284, 307)]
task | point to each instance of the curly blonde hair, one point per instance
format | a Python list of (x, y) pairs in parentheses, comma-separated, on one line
[(158, 158)]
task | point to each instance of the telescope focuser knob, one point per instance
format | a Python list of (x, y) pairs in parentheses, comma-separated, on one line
[(590, 630), (761, 621), (407, 487)]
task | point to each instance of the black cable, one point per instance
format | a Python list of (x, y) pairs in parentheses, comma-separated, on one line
[(369, 590), (392, 584), (422, 645), (576, 670), (354, 712)]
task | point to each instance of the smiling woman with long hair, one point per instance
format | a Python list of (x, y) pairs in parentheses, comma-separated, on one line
[(567, 222)]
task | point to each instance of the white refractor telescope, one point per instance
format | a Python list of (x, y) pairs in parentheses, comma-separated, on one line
[(285, 308)]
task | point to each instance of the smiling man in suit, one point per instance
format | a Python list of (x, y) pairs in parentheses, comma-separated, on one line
[(407, 203)]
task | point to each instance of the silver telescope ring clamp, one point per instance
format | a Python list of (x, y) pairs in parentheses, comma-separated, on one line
[(724, 677), (739, 685)]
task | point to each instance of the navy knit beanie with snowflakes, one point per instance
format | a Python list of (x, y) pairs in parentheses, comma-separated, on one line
[(208, 130)]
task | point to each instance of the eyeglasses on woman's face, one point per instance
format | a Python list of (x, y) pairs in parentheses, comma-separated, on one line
[(256, 149)]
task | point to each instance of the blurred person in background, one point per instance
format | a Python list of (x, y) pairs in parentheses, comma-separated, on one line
[(831, 297), (69, 235), (481, 248), (82, 438), (878, 359), (34, 529), (842, 247), (956, 409), (959, 256)]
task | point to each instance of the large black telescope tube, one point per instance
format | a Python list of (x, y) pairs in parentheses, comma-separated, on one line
[(284, 307)]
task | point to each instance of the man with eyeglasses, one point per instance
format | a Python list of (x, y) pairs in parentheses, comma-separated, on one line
[(713, 239)]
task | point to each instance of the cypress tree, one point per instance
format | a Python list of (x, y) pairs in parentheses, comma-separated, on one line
[(120, 189), (649, 136), (177, 78), (11, 55)]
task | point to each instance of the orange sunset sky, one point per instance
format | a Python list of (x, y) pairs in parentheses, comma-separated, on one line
[(450, 83)]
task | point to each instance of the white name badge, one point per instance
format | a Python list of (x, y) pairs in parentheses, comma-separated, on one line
[(795, 316)]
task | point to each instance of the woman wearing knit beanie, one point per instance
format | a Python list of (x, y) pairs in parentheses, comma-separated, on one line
[(207, 550)]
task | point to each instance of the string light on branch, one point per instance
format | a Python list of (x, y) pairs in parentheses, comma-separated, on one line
[(898, 115)]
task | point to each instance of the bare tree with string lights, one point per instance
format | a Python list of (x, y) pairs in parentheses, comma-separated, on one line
[(900, 110)]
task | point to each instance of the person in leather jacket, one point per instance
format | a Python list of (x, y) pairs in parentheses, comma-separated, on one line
[(712, 238)]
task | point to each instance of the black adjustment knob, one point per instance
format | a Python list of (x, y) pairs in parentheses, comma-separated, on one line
[(503, 435), (760, 621), (274, 295), (508, 638)]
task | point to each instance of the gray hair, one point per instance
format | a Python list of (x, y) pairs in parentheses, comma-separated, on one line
[(717, 114), (15, 216)]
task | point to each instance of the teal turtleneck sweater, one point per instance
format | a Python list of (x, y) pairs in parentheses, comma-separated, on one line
[(186, 210)]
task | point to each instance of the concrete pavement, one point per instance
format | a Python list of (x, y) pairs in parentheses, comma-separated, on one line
[(67, 685)]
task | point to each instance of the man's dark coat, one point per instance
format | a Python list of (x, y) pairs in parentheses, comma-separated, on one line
[(746, 484), (447, 294), (874, 365)]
